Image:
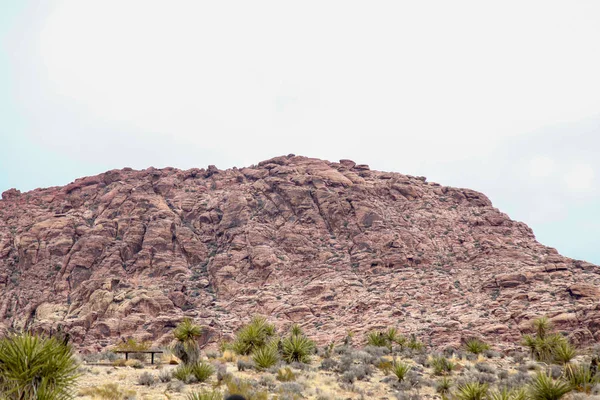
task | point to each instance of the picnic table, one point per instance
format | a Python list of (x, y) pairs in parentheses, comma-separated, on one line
[(151, 352)]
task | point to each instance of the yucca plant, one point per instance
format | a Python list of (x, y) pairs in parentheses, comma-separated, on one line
[(507, 394), (476, 346), (542, 326), (253, 336), (202, 371), (442, 366), (472, 391), (581, 377), (564, 352), (32, 366), (265, 357), (295, 330), (183, 372), (543, 387), (297, 348), (415, 344), (376, 338), (245, 389), (443, 386), (205, 395), (186, 341), (401, 370)]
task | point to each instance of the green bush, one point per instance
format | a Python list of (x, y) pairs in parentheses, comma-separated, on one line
[(297, 348), (205, 395), (442, 366), (202, 371), (472, 391), (34, 366), (183, 372), (265, 357), (543, 387), (443, 386), (376, 338), (253, 336), (401, 370), (476, 346)]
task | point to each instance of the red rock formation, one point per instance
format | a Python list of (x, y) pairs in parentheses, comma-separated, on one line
[(333, 246)]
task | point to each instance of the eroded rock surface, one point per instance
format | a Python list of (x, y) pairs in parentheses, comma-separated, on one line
[(333, 246)]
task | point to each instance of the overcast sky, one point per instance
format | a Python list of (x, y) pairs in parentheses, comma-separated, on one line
[(499, 96)]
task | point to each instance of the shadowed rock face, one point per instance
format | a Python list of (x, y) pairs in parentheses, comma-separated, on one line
[(332, 246)]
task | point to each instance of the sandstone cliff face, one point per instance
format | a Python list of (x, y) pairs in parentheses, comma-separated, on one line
[(332, 246)]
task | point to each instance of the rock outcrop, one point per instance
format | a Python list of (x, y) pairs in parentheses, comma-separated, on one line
[(332, 246)]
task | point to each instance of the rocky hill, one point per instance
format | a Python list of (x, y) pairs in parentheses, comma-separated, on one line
[(332, 246)]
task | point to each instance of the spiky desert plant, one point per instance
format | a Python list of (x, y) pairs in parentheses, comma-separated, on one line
[(415, 344), (253, 336), (472, 391), (183, 372), (376, 338), (205, 395), (186, 347), (245, 389), (401, 369), (265, 357), (297, 348), (443, 386), (295, 330), (530, 342), (202, 371), (442, 366), (401, 341), (581, 377), (507, 394), (476, 346), (542, 326), (33, 366), (543, 387), (563, 352)]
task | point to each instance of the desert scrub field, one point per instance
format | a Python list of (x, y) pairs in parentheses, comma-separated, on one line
[(261, 363)]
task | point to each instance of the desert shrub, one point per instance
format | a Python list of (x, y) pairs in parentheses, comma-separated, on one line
[(376, 351), (291, 388), (507, 394), (486, 368), (348, 377), (202, 371), (146, 379), (472, 391), (385, 366), (32, 366), (329, 364), (137, 364), (443, 386), (518, 357), (297, 348), (205, 395), (363, 357), (183, 372), (267, 381), (476, 346), (362, 371), (415, 344), (165, 376), (285, 375), (253, 336), (109, 391), (296, 330), (186, 336), (517, 380), (377, 339), (563, 352), (176, 386), (244, 388), (132, 344), (212, 354), (401, 370), (492, 354), (441, 365), (543, 387), (265, 357), (581, 378), (244, 363)]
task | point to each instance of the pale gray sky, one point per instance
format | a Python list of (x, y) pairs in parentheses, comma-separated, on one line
[(502, 97)]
